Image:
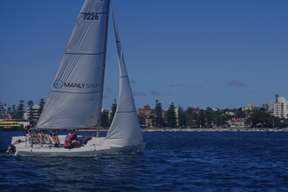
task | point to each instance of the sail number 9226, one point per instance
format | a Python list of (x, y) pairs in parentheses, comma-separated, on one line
[(90, 16)]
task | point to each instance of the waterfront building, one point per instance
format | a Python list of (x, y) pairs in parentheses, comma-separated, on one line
[(279, 107), (248, 107), (3, 111), (32, 114), (230, 113), (237, 122), (147, 115)]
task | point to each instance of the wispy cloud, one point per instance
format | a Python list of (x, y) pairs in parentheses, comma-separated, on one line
[(236, 84)]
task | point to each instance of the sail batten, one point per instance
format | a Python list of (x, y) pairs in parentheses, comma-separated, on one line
[(75, 98)]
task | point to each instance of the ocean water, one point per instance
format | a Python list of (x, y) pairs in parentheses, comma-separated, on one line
[(186, 161)]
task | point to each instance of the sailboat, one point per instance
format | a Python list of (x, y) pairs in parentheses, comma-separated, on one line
[(75, 97)]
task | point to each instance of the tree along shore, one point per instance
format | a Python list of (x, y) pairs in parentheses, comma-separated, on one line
[(159, 117)]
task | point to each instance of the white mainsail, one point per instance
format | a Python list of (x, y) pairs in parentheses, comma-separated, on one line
[(125, 125), (75, 98)]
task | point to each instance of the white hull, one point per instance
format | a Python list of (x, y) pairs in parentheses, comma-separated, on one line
[(95, 146)]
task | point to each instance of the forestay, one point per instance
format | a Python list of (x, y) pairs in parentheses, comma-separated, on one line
[(75, 98), (125, 125)]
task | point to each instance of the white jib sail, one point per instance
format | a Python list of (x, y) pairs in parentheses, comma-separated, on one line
[(75, 98), (125, 125)]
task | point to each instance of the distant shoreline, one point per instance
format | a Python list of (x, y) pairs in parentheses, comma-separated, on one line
[(207, 130), (189, 130), (219, 130)]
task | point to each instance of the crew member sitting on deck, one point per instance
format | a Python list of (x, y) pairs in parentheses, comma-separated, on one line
[(71, 140), (54, 139)]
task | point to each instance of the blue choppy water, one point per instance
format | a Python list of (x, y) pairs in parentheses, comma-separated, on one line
[(171, 162)]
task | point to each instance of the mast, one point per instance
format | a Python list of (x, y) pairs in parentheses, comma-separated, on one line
[(75, 98), (125, 126)]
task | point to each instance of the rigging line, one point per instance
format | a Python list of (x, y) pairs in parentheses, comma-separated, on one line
[(65, 66), (70, 68)]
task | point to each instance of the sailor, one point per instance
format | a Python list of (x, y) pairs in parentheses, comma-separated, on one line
[(71, 140), (41, 137), (28, 135), (54, 139)]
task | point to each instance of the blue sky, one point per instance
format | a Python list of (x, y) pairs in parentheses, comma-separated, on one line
[(223, 53)]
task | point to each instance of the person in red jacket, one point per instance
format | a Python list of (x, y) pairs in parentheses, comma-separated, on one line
[(71, 140)]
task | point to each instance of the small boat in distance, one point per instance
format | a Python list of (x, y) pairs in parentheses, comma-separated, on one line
[(75, 98)]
